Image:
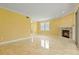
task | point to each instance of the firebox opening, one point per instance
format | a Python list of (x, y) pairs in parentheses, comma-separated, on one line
[(66, 33)]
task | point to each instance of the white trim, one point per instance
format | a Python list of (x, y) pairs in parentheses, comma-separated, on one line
[(12, 41)]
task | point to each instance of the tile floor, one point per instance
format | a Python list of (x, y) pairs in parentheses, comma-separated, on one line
[(40, 45)]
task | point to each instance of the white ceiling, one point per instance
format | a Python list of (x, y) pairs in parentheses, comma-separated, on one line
[(40, 11)]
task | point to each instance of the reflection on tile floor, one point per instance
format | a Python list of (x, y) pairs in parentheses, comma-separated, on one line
[(40, 44)]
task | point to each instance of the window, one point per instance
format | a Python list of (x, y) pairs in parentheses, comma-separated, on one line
[(44, 26)]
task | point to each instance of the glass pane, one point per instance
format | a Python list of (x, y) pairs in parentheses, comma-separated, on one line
[(47, 26), (42, 26)]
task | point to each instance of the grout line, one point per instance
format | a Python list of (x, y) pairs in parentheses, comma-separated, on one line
[(12, 41)]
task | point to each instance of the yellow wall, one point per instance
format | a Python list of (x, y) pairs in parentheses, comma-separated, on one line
[(34, 27), (13, 25), (55, 24)]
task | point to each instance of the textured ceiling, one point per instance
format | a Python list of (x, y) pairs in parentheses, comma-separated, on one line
[(40, 11)]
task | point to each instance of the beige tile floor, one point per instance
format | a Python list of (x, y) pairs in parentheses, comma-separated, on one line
[(32, 46)]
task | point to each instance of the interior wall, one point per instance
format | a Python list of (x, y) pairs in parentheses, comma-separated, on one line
[(56, 24), (77, 26), (34, 27), (13, 25)]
